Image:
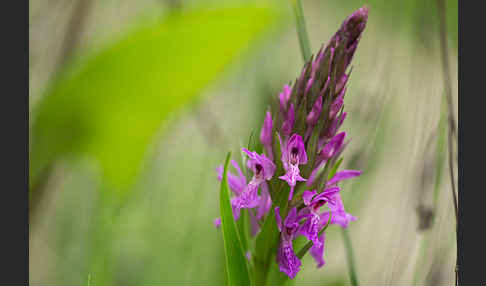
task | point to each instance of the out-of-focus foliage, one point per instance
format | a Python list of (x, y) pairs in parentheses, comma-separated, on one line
[(111, 108)]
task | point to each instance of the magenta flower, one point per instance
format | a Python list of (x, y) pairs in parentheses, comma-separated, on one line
[(288, 262), (263, 169), (293, 155), (313, 202)]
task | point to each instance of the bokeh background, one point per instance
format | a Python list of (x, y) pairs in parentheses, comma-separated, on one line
[(134, 103)]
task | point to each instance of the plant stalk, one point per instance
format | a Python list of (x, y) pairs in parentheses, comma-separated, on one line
[(451, 120), (350, 257), (301, 30)]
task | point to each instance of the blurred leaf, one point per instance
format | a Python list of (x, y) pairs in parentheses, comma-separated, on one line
[(111, 108), (236, 265)]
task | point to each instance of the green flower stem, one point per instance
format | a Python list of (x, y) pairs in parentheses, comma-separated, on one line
[(350, 256), (301, 30)]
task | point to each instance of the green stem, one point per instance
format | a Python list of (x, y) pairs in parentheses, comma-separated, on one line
[(350, 256), (301, 30), (261, 272)]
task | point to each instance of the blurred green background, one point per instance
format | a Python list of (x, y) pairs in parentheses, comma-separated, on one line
[(134, 103)]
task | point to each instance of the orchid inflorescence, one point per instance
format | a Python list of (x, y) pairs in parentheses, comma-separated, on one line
[(296, 175)]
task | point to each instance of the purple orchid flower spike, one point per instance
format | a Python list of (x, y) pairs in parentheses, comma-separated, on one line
[(288, 262), (307, 121), (293, 155), (266, 135)]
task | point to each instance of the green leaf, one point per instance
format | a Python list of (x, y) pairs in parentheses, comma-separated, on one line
[(111, 106), (236, 265), (334, 169)]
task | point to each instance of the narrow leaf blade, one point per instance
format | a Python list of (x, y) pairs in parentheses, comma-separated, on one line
[(236, 265)]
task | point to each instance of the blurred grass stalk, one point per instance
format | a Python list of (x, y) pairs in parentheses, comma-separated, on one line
[(447, 126), (451, 120), (306, 55), (439, 162)]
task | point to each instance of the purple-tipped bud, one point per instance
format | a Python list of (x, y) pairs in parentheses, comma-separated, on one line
[(333, 146), (337, 104), (308, 85), (289, 121), (266, 134), (350, 32), (284, 97)]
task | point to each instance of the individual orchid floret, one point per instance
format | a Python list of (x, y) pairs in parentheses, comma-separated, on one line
[(313, 202), (293, 155), (266, 134), (284, 97), (263, 169), (287, 261)]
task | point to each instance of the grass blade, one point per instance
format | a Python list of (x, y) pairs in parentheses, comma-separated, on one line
[(350, 256), (301, 30), (236, 265)]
